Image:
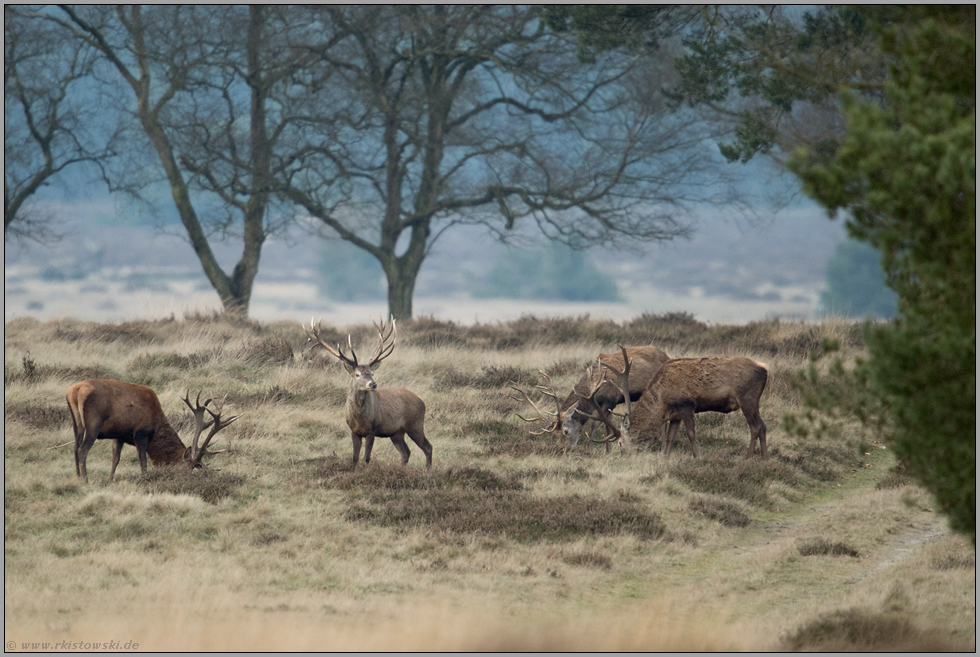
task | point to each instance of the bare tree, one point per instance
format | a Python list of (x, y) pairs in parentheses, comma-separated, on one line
[(48, 125), (448, 114), (198, 89)]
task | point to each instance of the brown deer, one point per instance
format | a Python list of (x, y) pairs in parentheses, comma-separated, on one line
[(580, 406), (374, 412), (685, 386), (598, 391), (131, 414)]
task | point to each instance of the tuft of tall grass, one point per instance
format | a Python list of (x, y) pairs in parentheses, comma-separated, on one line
[(272, 350), (67, 374)]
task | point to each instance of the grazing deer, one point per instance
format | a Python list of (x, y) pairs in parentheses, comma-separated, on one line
[(131, 414), (600, 390), (580, 406), (373, 412), (685, 386)]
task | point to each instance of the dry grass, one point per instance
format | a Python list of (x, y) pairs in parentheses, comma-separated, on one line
[(507, 543)]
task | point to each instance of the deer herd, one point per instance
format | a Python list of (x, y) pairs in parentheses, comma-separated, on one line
[(659, 393)]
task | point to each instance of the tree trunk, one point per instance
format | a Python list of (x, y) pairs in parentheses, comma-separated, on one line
[(401, 289), (403, 271), (235, 291)]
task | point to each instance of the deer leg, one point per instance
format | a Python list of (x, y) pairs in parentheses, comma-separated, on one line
[(141, 439), (689, 427), (398, 440), (368, 447), (592, 427), (357, 448), (81, 453), (419, 439), (757, 430), (78, 430), (669, 436), (116, 451)]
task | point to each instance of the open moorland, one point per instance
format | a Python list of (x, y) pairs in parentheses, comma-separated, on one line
[(509, 542)]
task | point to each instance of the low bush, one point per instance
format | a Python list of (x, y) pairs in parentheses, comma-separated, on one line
[(727, 513), (728, 475), (208, 484), (37, 414), (514, 514), (474, 500), (854, 630), (384, 477), (823, 547), (507, 440), (588, 559)]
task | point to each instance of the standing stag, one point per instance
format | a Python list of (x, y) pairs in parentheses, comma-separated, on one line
[(373, 412), (131, 414), (685, 386)]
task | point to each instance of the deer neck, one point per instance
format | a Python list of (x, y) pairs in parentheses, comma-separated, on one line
[(165, 447), (361, 402)]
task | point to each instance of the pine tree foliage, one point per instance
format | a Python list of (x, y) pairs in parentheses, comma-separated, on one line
[(905, 172)]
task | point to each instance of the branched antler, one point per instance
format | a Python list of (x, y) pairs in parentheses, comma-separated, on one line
[(216, 424), (386, 343), (313, 337), (387, 335), (596, 382), (548, 391)]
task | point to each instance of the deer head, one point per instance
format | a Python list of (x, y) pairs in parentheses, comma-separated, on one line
[(586, 407), (362, 374)]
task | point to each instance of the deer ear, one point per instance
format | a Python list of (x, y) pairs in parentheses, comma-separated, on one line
[(348, 367)]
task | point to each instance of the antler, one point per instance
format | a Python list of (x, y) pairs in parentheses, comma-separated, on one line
[(548, 391), (596, 376), (313, 334), (216, 424), (603, 417), (386, 332)]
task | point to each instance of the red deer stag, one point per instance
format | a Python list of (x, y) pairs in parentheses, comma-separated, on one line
[(579, 406), (685, 386), (599, 390), (373, 412), (131, 414)]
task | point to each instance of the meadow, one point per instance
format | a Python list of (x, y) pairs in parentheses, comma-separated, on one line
[(509, 542)]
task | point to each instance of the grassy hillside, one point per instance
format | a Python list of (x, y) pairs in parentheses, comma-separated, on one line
[(508, 543)]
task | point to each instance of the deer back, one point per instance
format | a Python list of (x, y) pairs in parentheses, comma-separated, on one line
[(121, 407), (721, 383), (646, 362), (120, 410)]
